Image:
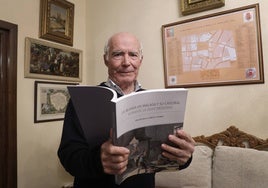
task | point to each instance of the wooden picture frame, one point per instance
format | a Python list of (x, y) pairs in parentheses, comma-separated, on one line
[(224, 48), (193, 6), (57, 21), (50, 61), (50, 100)]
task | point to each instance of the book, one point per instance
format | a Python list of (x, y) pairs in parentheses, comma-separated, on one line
[(141, 121)]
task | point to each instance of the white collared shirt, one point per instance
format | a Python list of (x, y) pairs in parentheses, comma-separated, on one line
[(112, 85)]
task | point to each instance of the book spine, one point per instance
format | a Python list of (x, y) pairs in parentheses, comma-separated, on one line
[(114, 127)]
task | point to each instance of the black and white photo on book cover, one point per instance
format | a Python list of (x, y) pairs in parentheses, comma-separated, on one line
[(145, 150)]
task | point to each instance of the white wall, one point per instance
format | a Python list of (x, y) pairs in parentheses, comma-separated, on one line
[(38, 164), (209, 109)]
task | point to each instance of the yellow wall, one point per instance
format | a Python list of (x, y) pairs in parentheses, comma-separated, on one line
[(209, 109), (38, 165)]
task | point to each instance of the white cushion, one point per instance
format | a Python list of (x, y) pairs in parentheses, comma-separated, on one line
[(235, 167), (198, 174)]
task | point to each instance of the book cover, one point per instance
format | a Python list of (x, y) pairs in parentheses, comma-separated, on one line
[(93, 108)]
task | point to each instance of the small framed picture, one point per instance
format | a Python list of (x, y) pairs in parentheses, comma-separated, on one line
[(57, 21), (50, 101), (194, 6), (50, 61)]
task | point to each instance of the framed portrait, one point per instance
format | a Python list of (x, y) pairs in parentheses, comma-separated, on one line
[(193, 6), (50, 61), (57, 21), (224, 48), (50, 101)]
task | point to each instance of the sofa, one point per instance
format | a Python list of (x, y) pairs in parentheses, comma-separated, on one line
[(228, 159)]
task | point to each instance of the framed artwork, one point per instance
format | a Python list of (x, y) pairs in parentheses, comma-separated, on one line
[(50, 61), (194, 6), (50, 101), (218, 49), (57, 21)]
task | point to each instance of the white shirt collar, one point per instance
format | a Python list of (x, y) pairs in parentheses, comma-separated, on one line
[(112, 85)]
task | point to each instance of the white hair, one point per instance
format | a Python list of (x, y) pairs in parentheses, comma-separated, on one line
[(107, 48)]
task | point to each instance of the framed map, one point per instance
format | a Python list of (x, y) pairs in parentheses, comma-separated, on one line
[(218, 49), (50, 101)]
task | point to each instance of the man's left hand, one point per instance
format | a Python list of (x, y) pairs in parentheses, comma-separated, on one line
[(182, 149)]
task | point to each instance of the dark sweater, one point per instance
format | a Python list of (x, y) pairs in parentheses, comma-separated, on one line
[(85, 164)]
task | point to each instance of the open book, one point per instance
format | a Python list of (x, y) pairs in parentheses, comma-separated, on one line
[(140, 121)]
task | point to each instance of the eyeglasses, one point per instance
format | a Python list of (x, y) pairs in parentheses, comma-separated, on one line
[(119, 55)]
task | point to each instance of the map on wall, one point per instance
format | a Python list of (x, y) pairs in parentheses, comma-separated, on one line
[(213, 50), (51, 99)]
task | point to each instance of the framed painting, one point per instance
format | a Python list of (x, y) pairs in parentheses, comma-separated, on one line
[(194, 6), (50, 61), (218, 49), (50, 101), (57, 21)]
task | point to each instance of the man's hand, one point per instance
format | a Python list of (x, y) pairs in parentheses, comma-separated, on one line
[(114, 159), (183, 149)]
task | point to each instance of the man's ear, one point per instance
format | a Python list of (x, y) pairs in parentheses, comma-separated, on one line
[(104, 59), (141, 58)]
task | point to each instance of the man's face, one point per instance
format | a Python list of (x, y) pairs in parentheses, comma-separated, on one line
[(124, 59)]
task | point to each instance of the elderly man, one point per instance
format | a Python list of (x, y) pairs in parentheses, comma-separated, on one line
[(96, 167)]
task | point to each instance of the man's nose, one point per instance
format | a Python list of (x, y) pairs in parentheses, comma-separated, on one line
[(126, 59)]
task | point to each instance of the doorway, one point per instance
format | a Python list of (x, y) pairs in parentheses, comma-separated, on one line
[(8, 104)]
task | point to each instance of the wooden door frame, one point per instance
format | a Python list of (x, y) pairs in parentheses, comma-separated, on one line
[(9, 101)]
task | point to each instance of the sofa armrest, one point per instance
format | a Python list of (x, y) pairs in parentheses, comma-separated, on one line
[(198, 174)]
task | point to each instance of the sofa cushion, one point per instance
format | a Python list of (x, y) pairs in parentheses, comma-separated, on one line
[(235, 167), (198, 174)]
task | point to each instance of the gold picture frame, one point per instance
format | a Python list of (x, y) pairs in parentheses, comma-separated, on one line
[(223, 48), (57, 21), (194, 6), (51, 61)]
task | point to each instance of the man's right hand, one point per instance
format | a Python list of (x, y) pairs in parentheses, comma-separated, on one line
[(114, 158)]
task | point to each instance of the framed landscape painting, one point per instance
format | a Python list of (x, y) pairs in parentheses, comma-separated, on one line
[(57, 21)]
